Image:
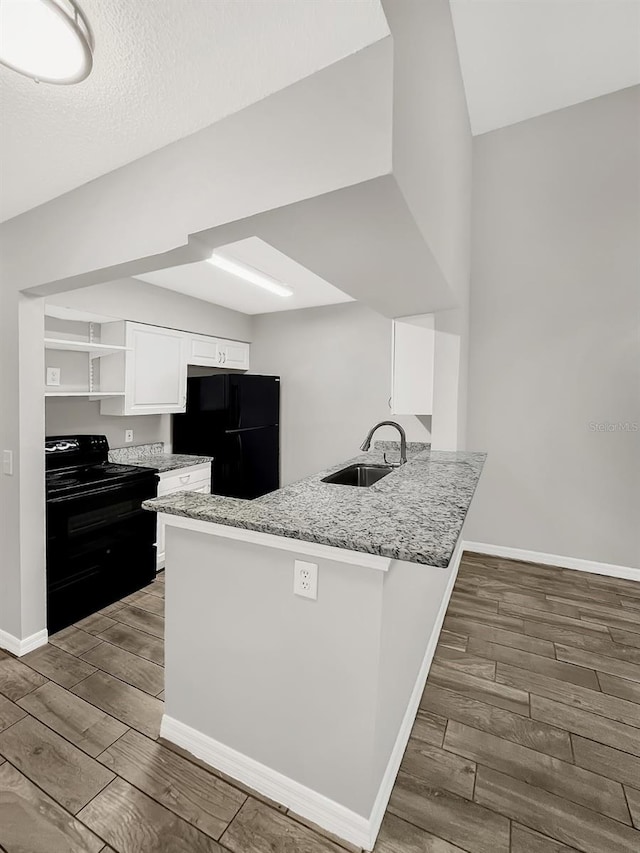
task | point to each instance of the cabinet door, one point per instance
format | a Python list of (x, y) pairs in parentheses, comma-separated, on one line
[(235, 355), (412, 365), (205, 351), (156, 375)]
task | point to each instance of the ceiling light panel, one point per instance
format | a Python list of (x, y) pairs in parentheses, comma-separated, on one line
[(249, 274), (47, 40)]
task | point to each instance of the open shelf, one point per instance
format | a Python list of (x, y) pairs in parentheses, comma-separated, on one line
[(94, 350), (63, 393)]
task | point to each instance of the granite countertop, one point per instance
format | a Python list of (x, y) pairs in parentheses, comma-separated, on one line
[(415, 513), (169, 461)]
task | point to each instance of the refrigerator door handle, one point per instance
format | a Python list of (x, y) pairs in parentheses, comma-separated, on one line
[(247, 429)]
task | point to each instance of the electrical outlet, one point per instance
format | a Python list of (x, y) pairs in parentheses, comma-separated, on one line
[(305, 579), (128, 436), (53, 375)]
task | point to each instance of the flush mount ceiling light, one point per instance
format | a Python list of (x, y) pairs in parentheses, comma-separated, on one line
[(47, 40), (249, 274)]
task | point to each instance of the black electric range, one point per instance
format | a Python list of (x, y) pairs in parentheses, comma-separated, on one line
[(100, 542)]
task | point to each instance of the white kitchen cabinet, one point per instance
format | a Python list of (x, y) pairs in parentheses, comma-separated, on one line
[(412, 374), (196, 478), (204, 351), (152, 370), (235, 354), (217, 352)]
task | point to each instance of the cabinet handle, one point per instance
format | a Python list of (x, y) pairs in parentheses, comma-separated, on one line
[(185, 478), (224, 358)]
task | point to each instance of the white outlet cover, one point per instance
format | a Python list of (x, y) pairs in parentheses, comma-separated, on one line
[(53, 375), (7, 462), (128, 435), (305, 579)]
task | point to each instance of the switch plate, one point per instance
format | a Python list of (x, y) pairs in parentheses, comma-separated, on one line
[(128, 436), (53, 375), (7, 462), (305, 579)]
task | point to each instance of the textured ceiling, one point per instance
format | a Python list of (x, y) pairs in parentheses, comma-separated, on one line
[(164, 69), (523, 58), (205, 281)]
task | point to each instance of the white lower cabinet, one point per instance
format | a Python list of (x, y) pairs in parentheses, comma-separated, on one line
[(196, 478)]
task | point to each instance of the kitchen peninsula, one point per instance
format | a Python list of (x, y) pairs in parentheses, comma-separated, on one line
[(310, 701)]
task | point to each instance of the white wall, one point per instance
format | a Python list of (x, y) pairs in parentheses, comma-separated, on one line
[(76, 415), (131, 299), (327, 131), (555, 332), (432, 162), (335, 364)]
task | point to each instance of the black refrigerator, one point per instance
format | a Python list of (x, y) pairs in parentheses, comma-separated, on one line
[(235, 419)]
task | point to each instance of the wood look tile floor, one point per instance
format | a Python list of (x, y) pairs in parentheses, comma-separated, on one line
[(527, 739)]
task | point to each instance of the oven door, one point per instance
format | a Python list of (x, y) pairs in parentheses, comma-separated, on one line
[(100, 547)]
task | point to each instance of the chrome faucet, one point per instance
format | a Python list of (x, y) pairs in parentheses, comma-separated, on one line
[(366, 444)]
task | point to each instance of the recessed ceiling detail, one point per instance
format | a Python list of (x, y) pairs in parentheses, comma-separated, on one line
[(212, 284), (523, 58)]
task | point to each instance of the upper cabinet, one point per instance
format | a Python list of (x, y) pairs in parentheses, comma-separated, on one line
[(412, 365), (204, 351), (235, 355), (215, 352), (153, 368)]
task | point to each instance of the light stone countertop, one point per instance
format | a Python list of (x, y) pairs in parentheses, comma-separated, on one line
[(415, 513), (154, 456), (169, 461)]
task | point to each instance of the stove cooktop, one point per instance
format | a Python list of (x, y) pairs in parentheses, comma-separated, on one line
[(80, 478)]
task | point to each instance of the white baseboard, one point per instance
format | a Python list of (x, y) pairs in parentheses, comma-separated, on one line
[(21, 647), (608, 569), (305, 802), (268, 782), (389, 778)]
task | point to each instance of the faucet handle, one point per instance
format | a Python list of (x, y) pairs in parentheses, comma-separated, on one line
[(387, 462)]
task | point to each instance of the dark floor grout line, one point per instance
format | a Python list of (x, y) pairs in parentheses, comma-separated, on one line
[(573, 752), (406, 820), (137, 627), (142, 657), (626, 799), (606, 746), (295, 819), (600, 654), (28, 714), (553, 793), (107, 748), (521, 818), (60, 805)]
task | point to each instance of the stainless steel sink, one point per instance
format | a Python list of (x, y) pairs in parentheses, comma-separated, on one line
[(359, 475)]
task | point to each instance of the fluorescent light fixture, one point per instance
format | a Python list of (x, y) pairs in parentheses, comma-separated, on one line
[(250, 274), (47, 40)]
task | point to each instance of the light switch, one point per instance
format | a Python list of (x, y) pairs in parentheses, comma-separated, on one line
[(7, 462)]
